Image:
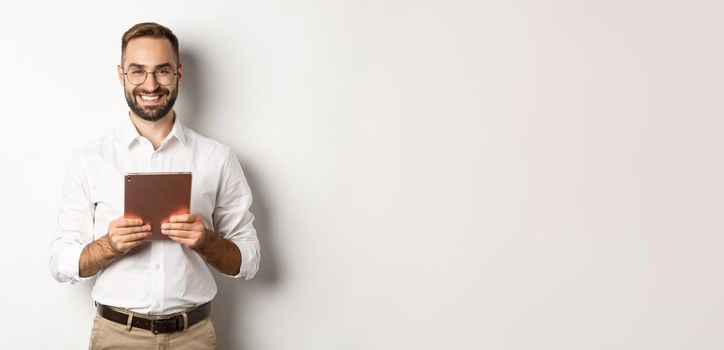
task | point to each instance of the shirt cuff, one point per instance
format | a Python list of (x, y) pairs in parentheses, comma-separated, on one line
[(249, 261), (73, 268)]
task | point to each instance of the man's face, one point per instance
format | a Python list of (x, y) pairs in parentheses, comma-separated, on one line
[(150, 100)]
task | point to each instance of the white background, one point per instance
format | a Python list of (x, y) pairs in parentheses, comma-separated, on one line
[(427, 174)]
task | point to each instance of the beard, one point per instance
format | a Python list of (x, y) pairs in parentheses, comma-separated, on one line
[(157, 112)]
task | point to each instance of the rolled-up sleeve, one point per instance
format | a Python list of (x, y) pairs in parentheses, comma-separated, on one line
[(232, 218), (74, 227)]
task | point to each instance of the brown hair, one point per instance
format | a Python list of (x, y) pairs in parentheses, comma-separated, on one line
[(148, 30)]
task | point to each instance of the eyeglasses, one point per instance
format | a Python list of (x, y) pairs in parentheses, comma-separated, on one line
[(163, 76)]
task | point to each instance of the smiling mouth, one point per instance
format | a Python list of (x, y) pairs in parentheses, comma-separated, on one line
[(150, 99)]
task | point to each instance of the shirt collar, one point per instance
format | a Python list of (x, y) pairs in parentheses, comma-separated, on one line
[(178, 130), (129, 133)]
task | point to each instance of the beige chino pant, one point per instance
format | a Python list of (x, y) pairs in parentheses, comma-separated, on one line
[(109, 335)]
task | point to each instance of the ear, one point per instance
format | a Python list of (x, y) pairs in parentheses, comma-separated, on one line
[(180, 71), (120, 74)]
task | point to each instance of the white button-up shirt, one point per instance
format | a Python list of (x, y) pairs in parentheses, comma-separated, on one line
[(157, 277)]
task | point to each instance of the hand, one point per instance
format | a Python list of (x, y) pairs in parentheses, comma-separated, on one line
[(125, 234), (187, 229)]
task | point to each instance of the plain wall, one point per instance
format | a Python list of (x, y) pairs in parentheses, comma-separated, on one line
[(426, 174)]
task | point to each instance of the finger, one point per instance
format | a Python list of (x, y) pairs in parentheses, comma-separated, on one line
[(184, 241), (130, 245), (178, 233), (181, 218), (125, 243), (128, 222), (177, 226), (133, 237), (130, 230)]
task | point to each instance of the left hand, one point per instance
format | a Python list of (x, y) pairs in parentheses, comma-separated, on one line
[(187, 229)]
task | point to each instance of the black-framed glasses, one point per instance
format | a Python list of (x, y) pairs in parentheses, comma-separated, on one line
[(164, 75)]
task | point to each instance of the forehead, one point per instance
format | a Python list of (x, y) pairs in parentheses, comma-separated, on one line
[(149, 52)]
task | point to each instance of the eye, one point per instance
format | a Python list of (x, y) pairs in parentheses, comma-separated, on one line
[(165, 71), (136, 71)]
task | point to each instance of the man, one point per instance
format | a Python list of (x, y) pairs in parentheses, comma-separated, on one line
[(153, 294)]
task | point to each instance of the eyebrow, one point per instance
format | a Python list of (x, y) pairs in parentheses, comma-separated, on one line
[(167, 64)]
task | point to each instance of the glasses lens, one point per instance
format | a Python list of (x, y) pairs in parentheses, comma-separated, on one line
[(136, 76), (164, 76)]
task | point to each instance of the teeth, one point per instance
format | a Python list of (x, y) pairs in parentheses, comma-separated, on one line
[(149, 98)]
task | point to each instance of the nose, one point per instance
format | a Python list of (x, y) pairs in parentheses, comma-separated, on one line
[(150, 84)]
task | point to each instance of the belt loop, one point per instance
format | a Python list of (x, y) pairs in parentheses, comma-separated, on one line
[(129, 324), (186, 321)]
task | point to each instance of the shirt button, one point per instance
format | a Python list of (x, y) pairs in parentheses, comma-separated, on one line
[(158, 266), (158, 305)]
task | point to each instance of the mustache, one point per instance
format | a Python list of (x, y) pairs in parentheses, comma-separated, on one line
[(158, 90)]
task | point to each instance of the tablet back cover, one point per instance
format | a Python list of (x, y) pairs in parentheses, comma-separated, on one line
[(155, 197)]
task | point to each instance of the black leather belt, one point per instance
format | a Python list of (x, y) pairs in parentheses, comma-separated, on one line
[(157, 325)]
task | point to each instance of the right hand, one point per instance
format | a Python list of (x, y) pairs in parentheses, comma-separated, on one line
[(125, 234)]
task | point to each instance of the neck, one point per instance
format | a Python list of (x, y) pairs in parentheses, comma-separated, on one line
[(154, 131)]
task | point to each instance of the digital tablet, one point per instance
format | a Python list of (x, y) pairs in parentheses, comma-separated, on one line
[(155, 197)]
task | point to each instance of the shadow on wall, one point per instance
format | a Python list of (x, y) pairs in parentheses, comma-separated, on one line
[(191, 92), (228, 306), (229, 311)]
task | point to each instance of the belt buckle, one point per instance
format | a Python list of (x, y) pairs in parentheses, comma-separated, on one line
[(166, 325)]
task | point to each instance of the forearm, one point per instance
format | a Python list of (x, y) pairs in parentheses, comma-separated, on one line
[(96, 256), (222, 254)]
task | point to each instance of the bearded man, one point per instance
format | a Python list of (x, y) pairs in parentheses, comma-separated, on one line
[(153, 294)]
